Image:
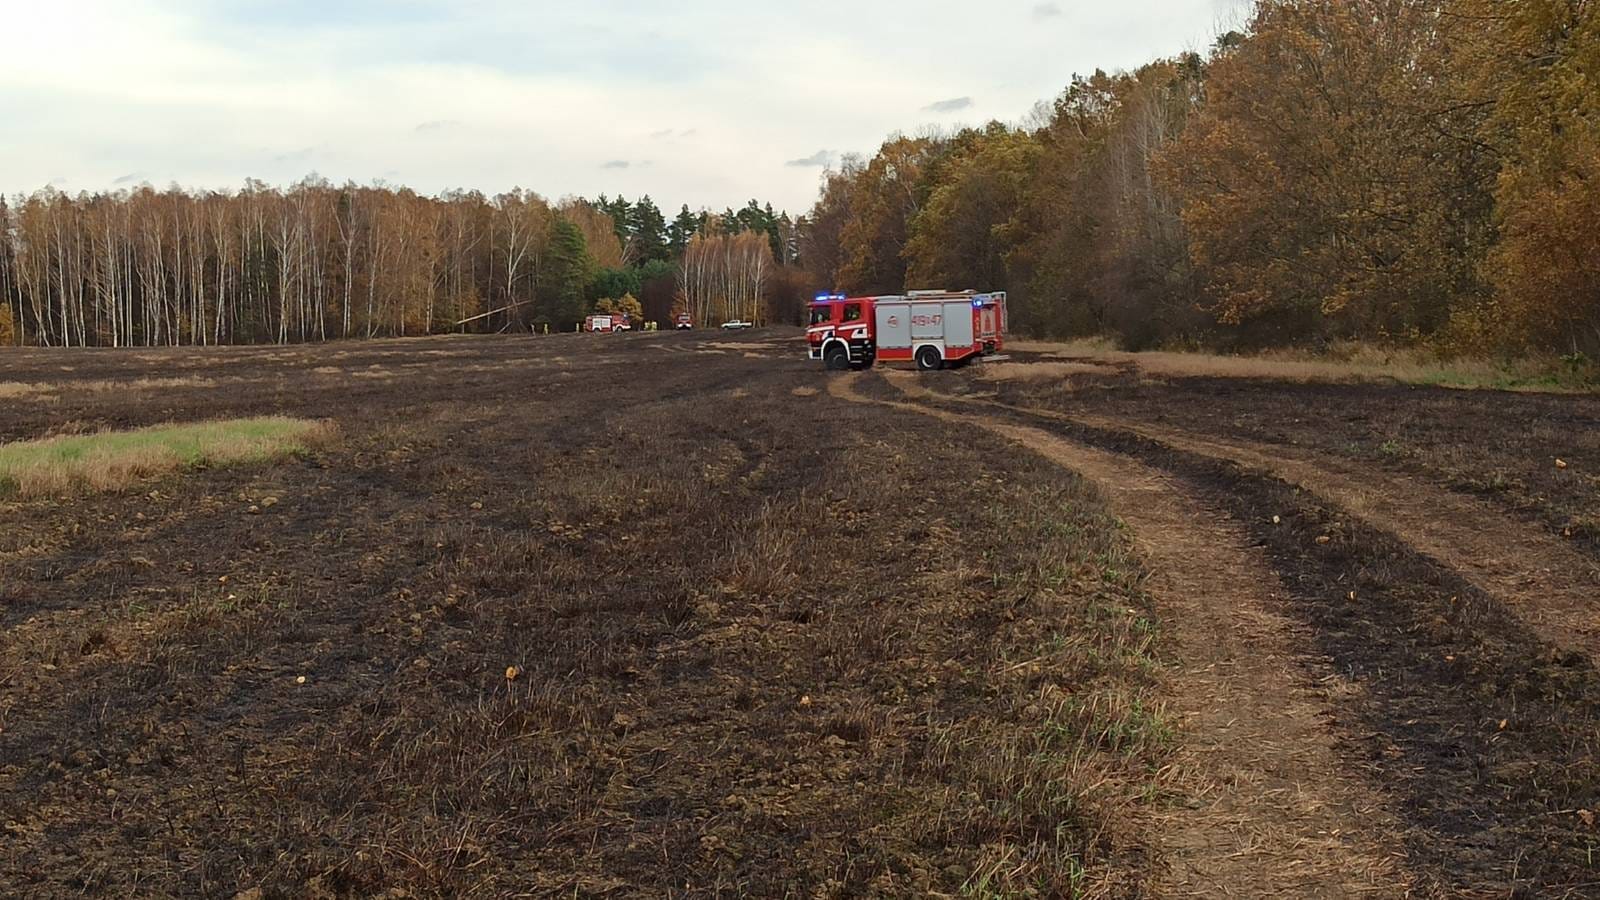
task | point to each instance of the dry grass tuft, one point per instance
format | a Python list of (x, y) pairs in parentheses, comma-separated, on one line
[(1080, 347), (16, 390), (746, 346), (110, 460), (12, 390), (1341, 364), (1043, 371), (139, 384), (1365, 366)]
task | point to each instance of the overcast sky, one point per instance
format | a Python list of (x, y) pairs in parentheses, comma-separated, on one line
[(705, 102)]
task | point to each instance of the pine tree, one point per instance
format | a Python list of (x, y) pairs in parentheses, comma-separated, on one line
[(683, 228), (561, 300), (769, 224), (649, 232)]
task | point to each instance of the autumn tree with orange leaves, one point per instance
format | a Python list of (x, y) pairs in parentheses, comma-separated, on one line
[(1407, 171), (884, 199), (1536, 66), (1331, 185)]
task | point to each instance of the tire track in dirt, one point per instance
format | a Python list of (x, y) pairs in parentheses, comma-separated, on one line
[(1550, 586), (1280, 814)]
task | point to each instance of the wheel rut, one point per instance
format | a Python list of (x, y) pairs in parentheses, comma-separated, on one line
[(1548, 584), (1277, 812)]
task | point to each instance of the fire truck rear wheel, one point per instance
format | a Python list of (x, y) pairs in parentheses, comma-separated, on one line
[(928, 359), (836, 359)]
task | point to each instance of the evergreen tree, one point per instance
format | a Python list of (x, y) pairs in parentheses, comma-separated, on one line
[(683, 228), (649, 231), (562, 299), (769, 224), (613, 283), (622, 216)]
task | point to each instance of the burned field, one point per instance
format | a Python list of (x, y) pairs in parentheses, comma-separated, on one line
[(577, 616), (668, 615)]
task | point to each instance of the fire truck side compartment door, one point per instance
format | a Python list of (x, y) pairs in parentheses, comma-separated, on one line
[(893, 326), (927, 321), (958, 324)]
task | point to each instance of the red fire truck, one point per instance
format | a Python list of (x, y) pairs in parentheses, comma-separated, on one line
[(607, 324), (934, 329)]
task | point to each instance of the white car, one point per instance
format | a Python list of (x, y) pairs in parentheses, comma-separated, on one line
[(737, 324)]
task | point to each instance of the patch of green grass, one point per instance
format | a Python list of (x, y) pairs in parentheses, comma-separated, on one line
[(1566, 375), (1394, 450), (1075, 734), (112, 459)]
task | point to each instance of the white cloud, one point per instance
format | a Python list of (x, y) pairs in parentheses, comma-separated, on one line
[(955, 104), (816, 160), (725, 95)]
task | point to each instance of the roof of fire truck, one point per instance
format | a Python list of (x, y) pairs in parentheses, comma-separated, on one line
[(974, 296)]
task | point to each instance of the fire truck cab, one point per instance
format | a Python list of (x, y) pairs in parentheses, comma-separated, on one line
[(930, 328), (839, 331)]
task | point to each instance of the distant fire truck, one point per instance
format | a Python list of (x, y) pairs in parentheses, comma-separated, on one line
[(933, 329), (685, 322), (607, 324)]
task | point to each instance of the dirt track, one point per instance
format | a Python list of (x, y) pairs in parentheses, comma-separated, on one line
[(1464, 628), (1552, 583), (1379, 676), (1274, 814)]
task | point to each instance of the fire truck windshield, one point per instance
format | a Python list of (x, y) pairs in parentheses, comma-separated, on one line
[(821, 314)]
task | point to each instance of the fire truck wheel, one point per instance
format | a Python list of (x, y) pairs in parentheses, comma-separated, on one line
[(928, 359), (836, 359)]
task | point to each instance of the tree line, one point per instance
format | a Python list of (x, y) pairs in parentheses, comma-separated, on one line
[(319, 261), (1395, 170)]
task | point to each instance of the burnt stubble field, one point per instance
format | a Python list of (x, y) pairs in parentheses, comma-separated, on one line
[(681, 615), (579, 616)]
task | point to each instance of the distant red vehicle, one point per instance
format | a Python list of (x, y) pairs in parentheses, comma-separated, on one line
[(685, 322), (930, 328), (607, 324)]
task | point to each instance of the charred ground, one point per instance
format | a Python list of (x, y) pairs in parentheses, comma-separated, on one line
[(659, 615), (605, 616)]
